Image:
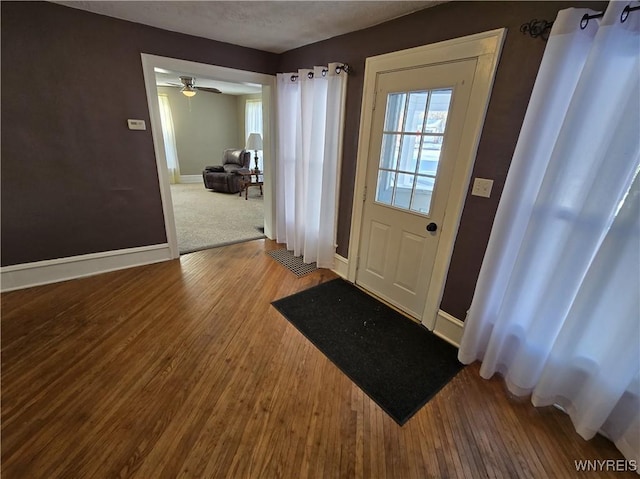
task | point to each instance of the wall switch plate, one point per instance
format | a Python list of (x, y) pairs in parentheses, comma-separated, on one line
[(136, 124), (482, 187)]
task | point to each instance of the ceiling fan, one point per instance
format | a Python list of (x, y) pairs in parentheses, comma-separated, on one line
[(189, 86)]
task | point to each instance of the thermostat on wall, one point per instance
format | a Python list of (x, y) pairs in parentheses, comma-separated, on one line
[(136, 124)]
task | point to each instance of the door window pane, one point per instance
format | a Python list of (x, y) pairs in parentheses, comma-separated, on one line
[(390, 150), (421, 202), (409, 153), (416, 107), (430, 154), (394, 115), (384, 189), (414, 133), (439, 103)]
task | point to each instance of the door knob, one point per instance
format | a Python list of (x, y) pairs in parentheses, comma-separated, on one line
[(432, 227)]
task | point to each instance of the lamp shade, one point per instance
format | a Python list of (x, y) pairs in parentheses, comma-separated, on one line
[(254, 142)]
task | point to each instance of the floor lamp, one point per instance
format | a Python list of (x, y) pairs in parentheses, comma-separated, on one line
[(254, 142)]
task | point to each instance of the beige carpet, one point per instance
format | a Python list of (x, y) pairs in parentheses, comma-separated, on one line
[(206, 219)]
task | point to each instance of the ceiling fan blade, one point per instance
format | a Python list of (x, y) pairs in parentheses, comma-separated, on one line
[(210, 90)]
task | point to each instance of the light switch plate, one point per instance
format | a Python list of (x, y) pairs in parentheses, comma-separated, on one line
[(482, 187), (136, 124)]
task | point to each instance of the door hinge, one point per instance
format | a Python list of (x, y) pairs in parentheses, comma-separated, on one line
[(375, 97), (357, 263), (364, 194)]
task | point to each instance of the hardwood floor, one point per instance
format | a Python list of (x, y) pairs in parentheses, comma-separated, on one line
[(184, 369)]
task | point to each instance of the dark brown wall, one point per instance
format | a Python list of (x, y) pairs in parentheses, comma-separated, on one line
[(516, 73), (75, 180)]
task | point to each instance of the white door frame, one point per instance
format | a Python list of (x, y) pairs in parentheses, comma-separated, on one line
[(486, 48), (268, 82)]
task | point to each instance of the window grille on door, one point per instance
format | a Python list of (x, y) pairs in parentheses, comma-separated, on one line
[(412, 140)]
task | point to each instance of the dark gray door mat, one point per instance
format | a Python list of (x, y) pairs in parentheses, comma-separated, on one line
[(397, 362)]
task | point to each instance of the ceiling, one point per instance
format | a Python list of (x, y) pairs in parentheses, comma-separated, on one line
[(172, 79), (273, 26)]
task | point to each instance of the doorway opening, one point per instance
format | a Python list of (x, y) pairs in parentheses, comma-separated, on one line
[(183, 178), (197, 128)]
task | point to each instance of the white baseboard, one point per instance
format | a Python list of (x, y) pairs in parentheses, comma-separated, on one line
[(448, 328), (191, 179), (26, 275), (341, 266)]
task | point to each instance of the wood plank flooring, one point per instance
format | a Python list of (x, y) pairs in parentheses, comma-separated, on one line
[(184, 369)]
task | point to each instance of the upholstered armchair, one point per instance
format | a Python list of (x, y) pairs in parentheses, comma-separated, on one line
[(225, 177)]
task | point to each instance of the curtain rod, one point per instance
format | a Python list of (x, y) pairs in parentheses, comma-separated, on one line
[(584, 21), (340, 68), (625, 12), (541, 28)]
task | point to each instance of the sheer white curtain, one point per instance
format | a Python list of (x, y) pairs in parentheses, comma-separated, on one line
[(556, 309), (253, 124), (310, 120), (169, 139)]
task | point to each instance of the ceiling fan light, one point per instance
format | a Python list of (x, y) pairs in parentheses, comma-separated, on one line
[(188, 91)]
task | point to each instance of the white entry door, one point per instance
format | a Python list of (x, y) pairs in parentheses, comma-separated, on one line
[(416, 130)]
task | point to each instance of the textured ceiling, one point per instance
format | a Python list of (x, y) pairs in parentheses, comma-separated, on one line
[(273, 26)]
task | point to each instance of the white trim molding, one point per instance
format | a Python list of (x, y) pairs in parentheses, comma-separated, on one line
[(268, 82), (341, 266), (27, 275), (448, 328), (485, 48)]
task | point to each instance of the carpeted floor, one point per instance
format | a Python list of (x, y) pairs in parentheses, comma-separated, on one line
[(205, 219), (398, 363)]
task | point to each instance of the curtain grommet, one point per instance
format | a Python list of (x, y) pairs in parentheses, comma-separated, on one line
[(626, 11)]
